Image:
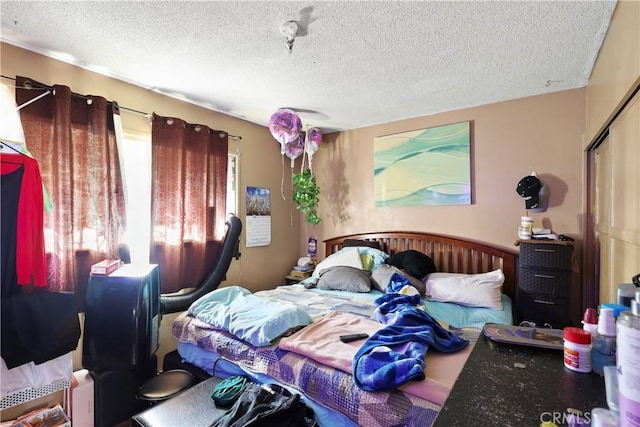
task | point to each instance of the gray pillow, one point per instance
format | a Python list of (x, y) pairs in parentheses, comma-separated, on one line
[(382, 275), (344, 278)]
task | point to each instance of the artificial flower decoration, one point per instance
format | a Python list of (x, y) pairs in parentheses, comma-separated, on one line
[(285, 126)]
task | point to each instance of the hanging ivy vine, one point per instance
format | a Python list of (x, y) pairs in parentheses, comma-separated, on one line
[(305, 195)]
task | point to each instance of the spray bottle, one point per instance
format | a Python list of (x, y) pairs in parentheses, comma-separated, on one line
[(603, 345), (628, 364), (590, 321)]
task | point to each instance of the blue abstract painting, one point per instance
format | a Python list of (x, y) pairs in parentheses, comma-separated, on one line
[(427, 167)]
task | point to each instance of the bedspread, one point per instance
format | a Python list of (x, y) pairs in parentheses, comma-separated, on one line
[(323, 374), (318, 342), (333, 388), (319, 302)]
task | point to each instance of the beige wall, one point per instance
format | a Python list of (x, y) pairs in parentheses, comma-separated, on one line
[(509, 141)]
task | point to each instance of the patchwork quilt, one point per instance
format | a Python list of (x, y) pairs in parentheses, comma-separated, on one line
[(331, 387)]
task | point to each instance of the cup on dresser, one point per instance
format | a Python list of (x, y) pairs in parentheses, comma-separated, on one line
[(526, 227), (527, 221), (524, 233)]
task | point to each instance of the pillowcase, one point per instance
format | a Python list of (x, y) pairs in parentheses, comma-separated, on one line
[(355, 242), (379, 257), (342, 278), (233, 309), (349, 257), (413, 262), (381, 276), (472, 290), (367, 261)]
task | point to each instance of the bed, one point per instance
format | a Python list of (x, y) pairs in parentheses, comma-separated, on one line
[(311, 361)]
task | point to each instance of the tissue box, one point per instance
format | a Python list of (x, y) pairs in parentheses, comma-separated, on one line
[(82, 406), (105, 267)]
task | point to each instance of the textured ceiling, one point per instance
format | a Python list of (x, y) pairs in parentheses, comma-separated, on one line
[(353, 64)]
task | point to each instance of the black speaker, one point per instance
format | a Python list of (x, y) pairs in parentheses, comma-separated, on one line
[(115, 393), (122, 318)]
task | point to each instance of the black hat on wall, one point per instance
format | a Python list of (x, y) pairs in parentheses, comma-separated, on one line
[(529, 189)]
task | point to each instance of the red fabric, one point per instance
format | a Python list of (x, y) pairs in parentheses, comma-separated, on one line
[(188, 200), (75, 144), (31, 267)]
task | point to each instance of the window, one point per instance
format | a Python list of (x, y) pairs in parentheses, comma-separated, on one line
[(136, 157), (232, 184)]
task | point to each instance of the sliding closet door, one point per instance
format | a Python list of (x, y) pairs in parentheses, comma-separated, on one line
[(617, 202)]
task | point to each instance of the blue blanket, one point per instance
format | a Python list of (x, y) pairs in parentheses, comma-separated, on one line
[(396, 353), (256, 320)]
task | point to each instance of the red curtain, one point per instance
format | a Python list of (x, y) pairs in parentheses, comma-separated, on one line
[(73, 139), (188, 200)]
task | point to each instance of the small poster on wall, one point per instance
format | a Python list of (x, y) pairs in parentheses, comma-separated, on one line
[(258, 219)]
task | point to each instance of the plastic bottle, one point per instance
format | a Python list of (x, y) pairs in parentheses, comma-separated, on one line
[(628, 364), (611, 387), (590, 321), (577, 349), (602, 417), (603, 345)]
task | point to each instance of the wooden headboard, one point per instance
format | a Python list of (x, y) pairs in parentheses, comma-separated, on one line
[(450, 254)]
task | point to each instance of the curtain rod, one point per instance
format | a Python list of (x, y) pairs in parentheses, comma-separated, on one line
[(147, 115)]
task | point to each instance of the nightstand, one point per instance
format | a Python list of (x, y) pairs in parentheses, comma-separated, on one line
[(544, 293), (291, 280)]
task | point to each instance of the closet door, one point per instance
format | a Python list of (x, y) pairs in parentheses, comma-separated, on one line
[(617, 202)]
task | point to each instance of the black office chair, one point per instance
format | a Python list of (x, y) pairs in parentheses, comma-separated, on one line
[(165, 385)]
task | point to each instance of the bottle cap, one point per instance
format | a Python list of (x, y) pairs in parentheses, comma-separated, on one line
[(576, 335), (590, 321), (590, 316), (606, 322), (617, 308)]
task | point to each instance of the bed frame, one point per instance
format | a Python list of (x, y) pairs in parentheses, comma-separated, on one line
[(450, 254)]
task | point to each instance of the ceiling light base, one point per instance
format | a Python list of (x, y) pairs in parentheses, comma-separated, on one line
[(290, 30)]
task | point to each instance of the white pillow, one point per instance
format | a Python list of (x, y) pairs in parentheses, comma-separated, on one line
[(473, 290), (349, 257)]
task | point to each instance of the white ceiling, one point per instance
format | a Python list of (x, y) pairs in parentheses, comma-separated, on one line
[(353, 64)]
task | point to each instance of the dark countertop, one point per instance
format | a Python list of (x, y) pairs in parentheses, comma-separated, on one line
[(492, 391)]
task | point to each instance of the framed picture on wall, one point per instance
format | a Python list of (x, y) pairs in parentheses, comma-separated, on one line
[(426, 167)]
